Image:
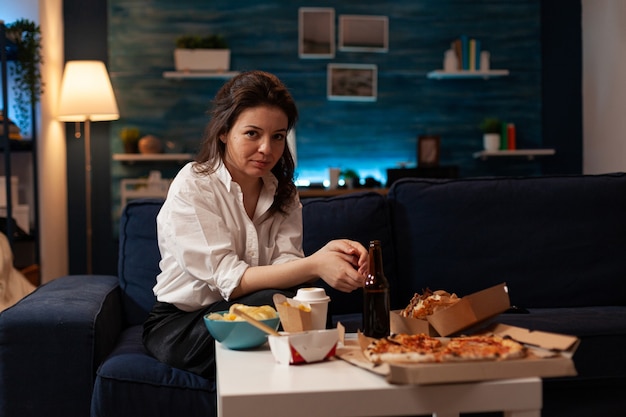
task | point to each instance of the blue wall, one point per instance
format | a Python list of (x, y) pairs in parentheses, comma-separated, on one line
[(87, 34), (367, 136)]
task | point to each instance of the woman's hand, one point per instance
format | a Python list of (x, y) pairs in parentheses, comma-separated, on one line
[(343, 264)]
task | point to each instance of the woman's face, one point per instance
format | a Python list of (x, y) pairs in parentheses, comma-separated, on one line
[(255, 143)]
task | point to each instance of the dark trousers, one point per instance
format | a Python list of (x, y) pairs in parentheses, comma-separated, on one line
[(180, 338)]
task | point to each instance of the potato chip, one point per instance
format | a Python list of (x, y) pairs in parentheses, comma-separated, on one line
[(215, 316), (260, 313)]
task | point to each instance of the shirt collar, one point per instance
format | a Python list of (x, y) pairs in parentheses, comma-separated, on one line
[(270, 182)]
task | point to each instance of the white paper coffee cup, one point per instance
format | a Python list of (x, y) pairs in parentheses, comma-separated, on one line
[(317, 299)]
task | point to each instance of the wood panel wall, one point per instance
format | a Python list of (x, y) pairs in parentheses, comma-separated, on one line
[(366, 136)]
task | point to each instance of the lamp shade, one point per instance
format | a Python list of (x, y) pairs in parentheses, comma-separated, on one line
[(86, 93)]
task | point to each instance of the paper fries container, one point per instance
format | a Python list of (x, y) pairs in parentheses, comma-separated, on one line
[(304, 347), (293, 318), (469, 311)]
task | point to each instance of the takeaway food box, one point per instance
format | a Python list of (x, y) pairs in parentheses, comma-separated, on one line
[(467, 312), (548, 354)]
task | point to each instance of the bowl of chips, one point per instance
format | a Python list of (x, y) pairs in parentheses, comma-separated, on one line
[(234, 332)]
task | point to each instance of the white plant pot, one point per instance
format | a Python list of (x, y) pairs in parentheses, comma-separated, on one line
[(188, 60), (491, 142)]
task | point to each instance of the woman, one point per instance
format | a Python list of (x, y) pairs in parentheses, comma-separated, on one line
[(230, 229)]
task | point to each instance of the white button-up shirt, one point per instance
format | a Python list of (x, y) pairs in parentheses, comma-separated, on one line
[(207, 240)]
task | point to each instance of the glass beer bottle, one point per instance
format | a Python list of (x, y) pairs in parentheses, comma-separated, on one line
[(376, 295)]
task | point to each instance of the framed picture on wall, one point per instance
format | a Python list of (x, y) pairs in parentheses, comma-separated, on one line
[(363, 33), (352, 82), (428, 148), (316, 32)]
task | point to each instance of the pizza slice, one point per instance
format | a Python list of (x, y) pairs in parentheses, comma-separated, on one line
[(428, 303), (421, 348), (480, 348), (403, 348)]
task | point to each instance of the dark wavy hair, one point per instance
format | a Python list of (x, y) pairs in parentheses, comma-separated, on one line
[(244, 91)]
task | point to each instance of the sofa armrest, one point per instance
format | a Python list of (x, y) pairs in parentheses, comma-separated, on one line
[(51, 343)]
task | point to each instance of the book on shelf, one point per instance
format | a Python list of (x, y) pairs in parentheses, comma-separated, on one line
[(468, 52), (507, 137), (504, 140), (458, 48), (510, 134), (465, 52)]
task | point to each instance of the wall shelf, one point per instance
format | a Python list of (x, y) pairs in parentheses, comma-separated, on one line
[(23, 239), (199, 74), (527, 153), (154, 157), (143, 188), (443, 75)]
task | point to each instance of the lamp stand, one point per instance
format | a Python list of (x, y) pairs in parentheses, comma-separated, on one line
[(87, 95), (89, 230)]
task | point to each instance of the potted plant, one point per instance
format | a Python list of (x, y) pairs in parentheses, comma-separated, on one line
[(201, 53), (491, 128), (25, 69), (351, 178), (130, 138)]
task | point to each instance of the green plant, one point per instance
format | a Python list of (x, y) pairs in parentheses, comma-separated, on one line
[(349, 174), (25, 71), (350, 177), (491, 125), (201, 42), (130, 138)]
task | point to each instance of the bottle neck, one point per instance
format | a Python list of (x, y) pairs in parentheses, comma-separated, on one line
[(376, 260), (376, 279)]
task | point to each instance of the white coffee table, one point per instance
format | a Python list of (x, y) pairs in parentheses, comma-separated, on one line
[(252, 383)]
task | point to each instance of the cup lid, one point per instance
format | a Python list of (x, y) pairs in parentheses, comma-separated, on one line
[(311, 294)]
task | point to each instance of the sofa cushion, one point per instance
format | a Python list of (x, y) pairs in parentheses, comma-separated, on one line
[(139, 257), (556, 241), (359, 216), (52, 342), (601, 330), (132, 383)]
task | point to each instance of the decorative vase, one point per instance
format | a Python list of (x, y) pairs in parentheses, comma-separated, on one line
[(491, 142), (188, 60), (150, 144), (131, 147), (352, 183)]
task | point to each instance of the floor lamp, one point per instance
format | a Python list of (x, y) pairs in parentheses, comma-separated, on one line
[(86, 96)]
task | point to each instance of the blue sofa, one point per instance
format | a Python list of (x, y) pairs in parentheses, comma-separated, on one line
[(73, 347)]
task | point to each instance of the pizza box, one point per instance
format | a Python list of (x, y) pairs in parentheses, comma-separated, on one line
[(467, 312), (549, 355)]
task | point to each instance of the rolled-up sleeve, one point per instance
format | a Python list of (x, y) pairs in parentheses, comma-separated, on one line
[(288, 237)]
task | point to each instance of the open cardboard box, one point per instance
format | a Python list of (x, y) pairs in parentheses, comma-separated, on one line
[(467, 312), (293, 317), (549, 355), (304, 347)]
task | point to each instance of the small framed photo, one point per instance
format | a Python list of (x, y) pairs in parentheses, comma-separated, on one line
[(316, 32), (363, 33), (352, 82), (428, 148)]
